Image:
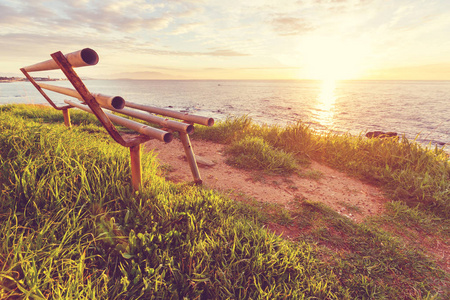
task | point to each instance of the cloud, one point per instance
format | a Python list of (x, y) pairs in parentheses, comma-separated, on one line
[(218, 52), (31, 45), (185, 28), (419, 72), (285, 25), (144, 75), (102, 16), (7, 14), (13, 17), (223, 52), (211, 33), (342, 4), (122, 18)]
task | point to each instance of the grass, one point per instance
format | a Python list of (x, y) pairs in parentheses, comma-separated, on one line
[(311, 174), (255, 154), (72, 228), (366, 256), (406, 170)]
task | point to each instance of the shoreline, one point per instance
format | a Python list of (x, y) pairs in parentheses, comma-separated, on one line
[(98, 204), (17, 79), (426, 144)]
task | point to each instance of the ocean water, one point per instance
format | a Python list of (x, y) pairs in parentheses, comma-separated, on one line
[(418, 109)]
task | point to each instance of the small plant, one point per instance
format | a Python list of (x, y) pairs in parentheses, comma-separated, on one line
[(255, 153), (312, 174), (166, 169), (284, 217), (258, 176), (293, 187), (350, 207), (227, 131)]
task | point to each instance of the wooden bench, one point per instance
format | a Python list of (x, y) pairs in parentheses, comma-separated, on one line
[(96, 103)]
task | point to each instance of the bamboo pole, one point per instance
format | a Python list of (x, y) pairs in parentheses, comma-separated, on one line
[(66, 115), (155, 133), (174, 114), (171, 124), (72, 76), (190, 157), (115, 102), (136, 168), (80, 58)]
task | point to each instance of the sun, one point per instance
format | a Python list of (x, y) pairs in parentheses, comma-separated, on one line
[(331, 59)]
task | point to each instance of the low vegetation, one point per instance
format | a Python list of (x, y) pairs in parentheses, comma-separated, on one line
[(409, 172), (255, 154), (72, 228)]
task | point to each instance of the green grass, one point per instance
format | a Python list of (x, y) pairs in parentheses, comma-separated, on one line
[(375, 262), (406, 170), (255, 154), (72, 227)]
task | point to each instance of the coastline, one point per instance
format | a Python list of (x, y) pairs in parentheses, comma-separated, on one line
[(415, 109), (230, 228), (20, 79)]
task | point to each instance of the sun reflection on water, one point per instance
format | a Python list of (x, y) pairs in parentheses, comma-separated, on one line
[(324, 107)]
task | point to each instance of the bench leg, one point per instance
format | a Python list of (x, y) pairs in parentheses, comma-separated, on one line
[(136, 169), (190, 157), (66, 115)]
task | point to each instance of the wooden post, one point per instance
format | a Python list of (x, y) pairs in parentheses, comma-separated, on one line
[(184, 137), (136, 169), (66, 115), (88, 98)]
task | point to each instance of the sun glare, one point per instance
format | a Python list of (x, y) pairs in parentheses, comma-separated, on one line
[(324, 107), (330, 59)]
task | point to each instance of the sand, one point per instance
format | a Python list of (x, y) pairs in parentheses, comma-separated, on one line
[(348, 196)]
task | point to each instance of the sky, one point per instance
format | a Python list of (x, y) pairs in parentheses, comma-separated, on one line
[(233, 39)]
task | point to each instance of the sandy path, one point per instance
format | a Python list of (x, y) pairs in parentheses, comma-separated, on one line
[(346, 195)]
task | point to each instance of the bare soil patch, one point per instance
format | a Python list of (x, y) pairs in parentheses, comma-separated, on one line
[(348, 196)]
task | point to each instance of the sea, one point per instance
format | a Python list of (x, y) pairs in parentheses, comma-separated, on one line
[(419, 110)]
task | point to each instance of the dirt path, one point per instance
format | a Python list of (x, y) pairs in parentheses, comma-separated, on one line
[(348, 196)]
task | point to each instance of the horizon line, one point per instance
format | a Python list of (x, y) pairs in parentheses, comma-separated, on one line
[(230, 79)]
